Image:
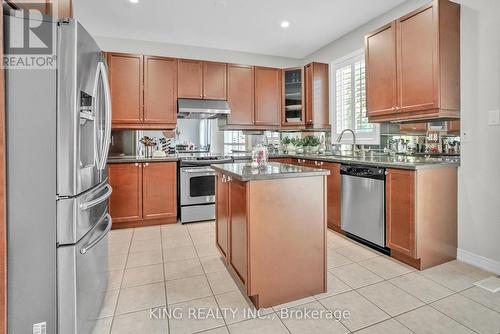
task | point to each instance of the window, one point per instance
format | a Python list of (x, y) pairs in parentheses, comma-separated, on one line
[(349, 101), (234, 141)]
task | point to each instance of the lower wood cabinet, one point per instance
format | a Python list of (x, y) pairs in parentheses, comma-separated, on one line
[(400, 211), (238, 227), (143, 193), (222, 214), (421, 215), (333, 184)]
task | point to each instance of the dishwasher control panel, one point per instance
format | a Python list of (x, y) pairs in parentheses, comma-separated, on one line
[(363, 171)]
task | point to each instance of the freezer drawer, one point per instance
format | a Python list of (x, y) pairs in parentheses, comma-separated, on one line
[(82, 279), (363, 208), (76, 216)]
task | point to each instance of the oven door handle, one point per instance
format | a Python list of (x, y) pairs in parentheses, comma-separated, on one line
[(208, 171)]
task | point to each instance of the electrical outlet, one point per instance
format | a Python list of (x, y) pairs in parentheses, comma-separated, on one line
[(465, 136), (494, 117), (40, 328)]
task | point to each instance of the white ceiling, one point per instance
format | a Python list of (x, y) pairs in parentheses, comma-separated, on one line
[(238, 25)]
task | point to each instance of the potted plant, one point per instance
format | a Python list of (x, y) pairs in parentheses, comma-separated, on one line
[(288, 145), (311, 144), (299, 145)]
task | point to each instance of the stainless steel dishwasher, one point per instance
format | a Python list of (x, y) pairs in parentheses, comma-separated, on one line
[(363, 204)]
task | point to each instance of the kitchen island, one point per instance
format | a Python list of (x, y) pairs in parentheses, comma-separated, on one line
[(271, 229)]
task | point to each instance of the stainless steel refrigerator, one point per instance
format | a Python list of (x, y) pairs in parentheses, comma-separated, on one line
[(58, 134)]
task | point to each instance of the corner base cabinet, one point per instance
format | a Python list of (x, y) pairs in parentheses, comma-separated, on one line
[(143, 194), (275, 257), (421, 215)]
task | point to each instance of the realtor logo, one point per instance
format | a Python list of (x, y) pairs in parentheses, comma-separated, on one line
[(29, 40)]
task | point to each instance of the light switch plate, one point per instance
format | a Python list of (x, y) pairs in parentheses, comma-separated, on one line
[(494, 117)]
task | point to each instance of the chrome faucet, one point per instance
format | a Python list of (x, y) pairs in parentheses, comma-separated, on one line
[(339, 138)]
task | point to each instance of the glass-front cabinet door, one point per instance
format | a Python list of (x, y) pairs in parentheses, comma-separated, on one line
[(293, 108)]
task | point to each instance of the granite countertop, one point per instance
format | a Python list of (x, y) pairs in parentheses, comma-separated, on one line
[(133, 158), (243, 171), (399, 161)]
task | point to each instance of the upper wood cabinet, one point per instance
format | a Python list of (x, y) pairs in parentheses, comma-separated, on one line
[(143, 91), (126, 84), (56, 8), (267, 96), (317, 96), (380, 58), (202, 80), (293, 109), (214, 80), (413, 66), (190, 83), (240, 94), (160, 90)]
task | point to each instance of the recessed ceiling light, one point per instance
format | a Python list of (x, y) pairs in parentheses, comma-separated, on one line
[(285, 24), (134, 1)]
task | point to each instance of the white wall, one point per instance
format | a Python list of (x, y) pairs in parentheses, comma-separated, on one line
[(479, 174), (191, 52)]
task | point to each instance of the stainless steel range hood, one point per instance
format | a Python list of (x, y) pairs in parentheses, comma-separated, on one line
[(201, 109)]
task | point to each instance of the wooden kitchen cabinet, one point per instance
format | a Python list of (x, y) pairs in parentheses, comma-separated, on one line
[(400, 211), (214, 80), (317, 96), (159, 190), (240, 94), (333, 184), (381, 77), (190, 79), (125, 203), (143, 193), (160, 91), (126, 85), (56, 8), (413, 63), (421, 215), (143, 91), (238, 227), (222, 215), (267, 96)]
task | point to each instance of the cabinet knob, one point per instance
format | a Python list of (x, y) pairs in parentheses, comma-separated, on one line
[(136, 164), (146, 164)]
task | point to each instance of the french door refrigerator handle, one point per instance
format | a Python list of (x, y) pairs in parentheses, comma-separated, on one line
[(94, 202), (107, 107), (94, 242)]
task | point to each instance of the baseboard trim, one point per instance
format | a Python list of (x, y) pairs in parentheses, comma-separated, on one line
[(478, 261)]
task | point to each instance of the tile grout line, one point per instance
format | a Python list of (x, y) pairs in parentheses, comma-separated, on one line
[(121, 282), (208, 283), (164, 278)]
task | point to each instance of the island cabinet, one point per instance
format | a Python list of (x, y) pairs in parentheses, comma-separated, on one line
[(317, 96), (202, 79), (255, 239), (143, 193), (413, 66), (421, 215), (143, 91)]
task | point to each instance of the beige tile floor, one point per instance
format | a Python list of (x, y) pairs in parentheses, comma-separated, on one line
[(178, 266)]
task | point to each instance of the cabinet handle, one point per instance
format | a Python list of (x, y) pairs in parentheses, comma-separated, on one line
[(146, 164), (136, 164)]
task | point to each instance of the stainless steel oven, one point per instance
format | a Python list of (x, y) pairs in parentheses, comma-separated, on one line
[(197, 188)]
